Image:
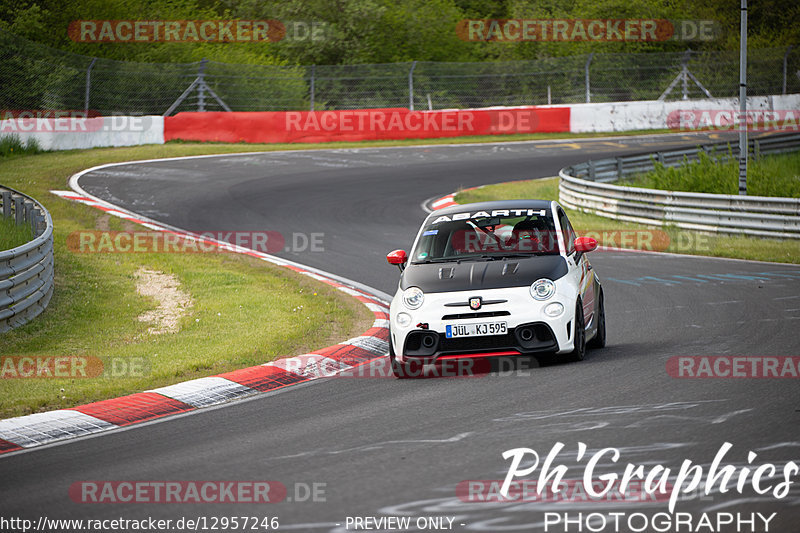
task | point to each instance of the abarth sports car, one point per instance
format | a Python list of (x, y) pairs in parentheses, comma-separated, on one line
[(506, 278)]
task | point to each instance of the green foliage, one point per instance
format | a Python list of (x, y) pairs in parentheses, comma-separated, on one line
[(777, 175), (11, 145), (382, 37), (382, 31)]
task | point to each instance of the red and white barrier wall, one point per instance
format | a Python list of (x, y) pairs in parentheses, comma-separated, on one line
[(388, 123), (75, 132), (647, 115), (362, 125)]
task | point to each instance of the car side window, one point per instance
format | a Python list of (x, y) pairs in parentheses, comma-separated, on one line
[(567, 231)]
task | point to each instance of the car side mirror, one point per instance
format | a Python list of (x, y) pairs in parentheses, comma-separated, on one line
[(585, 244), (397, 257)]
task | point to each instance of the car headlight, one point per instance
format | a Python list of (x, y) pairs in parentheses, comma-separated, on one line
[(554, 309), (403, 319), (413, 297), (542, 289)]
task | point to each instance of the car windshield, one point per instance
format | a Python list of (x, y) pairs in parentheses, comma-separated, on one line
[(487, 235)]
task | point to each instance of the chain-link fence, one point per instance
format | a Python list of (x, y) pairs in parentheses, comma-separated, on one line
[(33, 76)]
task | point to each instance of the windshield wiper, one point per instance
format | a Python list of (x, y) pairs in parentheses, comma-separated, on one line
[(439, 260), (514, 255)]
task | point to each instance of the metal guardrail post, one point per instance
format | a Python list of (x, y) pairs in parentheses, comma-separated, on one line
[(685, 75), (411, 86), (312, 89), (586, 77), (18, 211), (6, 204), (742, 119), (88, 87), (592, 172), (785, 67), (201, 86)]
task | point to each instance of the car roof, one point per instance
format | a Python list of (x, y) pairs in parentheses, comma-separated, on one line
[(499, 204)]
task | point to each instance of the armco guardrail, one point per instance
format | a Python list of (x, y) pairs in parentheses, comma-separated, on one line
[(26, 272), (585, 187)]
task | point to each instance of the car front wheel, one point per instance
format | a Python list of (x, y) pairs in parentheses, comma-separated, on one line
[(599, 340), (579, 352)]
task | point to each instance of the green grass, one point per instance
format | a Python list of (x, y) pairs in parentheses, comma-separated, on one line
[(245, 311), (12, 235), (12, 146), (679, 241), (774, 175)]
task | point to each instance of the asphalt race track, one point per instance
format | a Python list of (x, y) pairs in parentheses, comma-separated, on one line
[(385, 447)]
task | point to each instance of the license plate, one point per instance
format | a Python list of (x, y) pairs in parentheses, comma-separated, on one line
[(476, 330)]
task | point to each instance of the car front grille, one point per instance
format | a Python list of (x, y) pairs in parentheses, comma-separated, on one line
[(480, 314), (471, 344)]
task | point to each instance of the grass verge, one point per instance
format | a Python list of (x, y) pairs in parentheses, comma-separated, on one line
[(772, 175), (12, 146), (12, 235), (680, 241), (245, 311)]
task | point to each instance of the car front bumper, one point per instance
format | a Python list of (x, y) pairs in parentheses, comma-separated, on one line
[(529, 329)]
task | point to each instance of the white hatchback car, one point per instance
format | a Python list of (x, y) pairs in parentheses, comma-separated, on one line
[(492, 279)]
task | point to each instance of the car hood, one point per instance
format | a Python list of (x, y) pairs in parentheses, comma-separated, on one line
[(474, 275)]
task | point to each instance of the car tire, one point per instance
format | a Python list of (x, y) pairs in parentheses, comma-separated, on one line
[(403, 370), (579, 352), (599, 339)]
